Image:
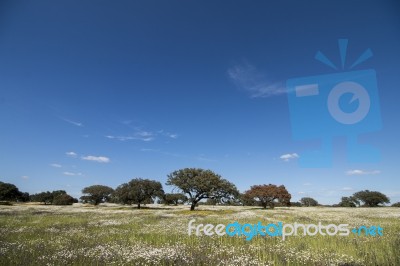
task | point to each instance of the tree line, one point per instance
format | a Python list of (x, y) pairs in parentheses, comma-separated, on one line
[(195, 186)]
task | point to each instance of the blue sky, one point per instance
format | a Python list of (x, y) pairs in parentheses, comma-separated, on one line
[(99, 92)]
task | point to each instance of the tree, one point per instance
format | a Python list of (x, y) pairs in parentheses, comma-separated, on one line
[(174, 198), (138, 191), (295, 204), (201, 184), (247, 200), (56, 197), (371, 198), (397, 204), (348, 202), (307, 201), (45, 197), (24, 197), (267, 195), (9, 192), (96, 194), (63, 199)]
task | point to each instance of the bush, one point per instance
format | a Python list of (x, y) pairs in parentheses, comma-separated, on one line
[(397, 204), (5, 203)]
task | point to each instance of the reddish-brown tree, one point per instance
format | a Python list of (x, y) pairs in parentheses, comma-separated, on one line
[(268, 195)]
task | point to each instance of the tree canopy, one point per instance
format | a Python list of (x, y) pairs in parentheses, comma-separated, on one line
[(201, 184), (267, 195), (348, 202), (307, 201), (138, 191), (96, 194), (371, 198), (9, 192), (56, 197)]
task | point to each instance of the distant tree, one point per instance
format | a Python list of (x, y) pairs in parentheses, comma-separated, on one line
[(201, 184), (24, 197), (348, 202), (63, 199), (307, 202), (9, 192), (44, 197), (397, 204), (138, 191), (268, 195), (56, 197), (296, 204), (96, 194), (371, 198), (174, 198)]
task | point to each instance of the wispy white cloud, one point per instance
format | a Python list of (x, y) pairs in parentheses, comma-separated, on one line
[(289, 156), (149, 150), (307, 184), (56, 165), (99, 159), (137, 135), (168, 134), (301, 192), (172, 136), (256, 83), (71, 154), (25, 177), (127, 122), (143, 135), (78, 124), (362, 172), (347, 189), (125, 138), (72, 174)]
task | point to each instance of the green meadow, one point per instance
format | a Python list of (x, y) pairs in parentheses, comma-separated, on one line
[(112, 234)]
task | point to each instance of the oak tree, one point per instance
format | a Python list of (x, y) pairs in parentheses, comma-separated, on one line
[(268, 195), (138, 191), (201, 184), (96, 194)]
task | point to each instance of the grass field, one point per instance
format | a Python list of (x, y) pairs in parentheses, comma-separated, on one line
[(157, 235)]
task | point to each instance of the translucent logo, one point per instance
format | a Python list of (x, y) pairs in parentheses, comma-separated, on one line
[(339, 104)]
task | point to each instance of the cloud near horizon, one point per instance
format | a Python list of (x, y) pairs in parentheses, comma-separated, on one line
[(362, 172), (72, 174), (347, 189)]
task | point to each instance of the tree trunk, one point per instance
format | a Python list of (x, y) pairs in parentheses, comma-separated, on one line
[(193, 206), (138, 206)]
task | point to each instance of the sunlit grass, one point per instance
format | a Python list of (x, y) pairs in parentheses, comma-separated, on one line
[(124, 235)]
